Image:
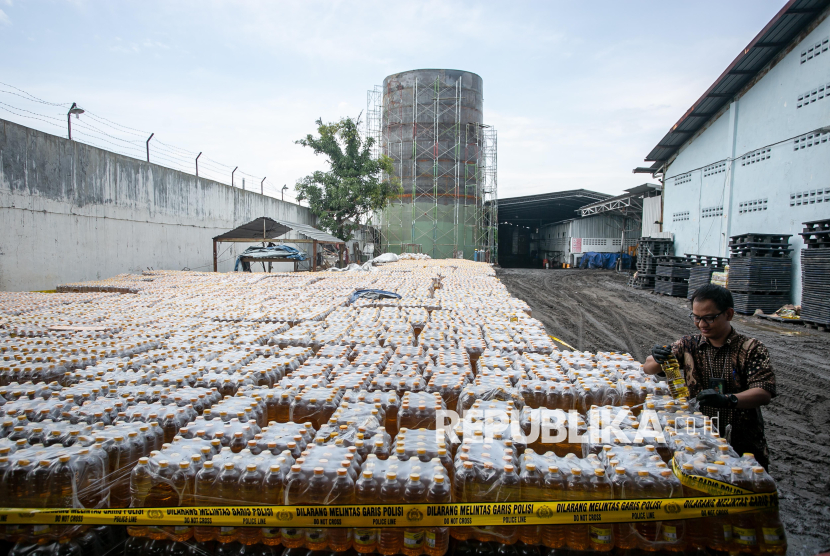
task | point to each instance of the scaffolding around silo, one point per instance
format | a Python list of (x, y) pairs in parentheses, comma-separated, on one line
[(447, 168)]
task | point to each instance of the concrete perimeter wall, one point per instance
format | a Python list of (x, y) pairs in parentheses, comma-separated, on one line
[(71, 212)]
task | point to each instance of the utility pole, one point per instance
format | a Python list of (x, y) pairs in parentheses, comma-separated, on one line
[(148, 146), (262, 187), (197, 164), (232, 173)]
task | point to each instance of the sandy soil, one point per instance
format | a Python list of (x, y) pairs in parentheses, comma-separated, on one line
[(595, 310)]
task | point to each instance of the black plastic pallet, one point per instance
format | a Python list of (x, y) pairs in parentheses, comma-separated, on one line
[(760, 238)]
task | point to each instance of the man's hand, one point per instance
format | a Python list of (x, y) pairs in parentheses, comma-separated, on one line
[(713, 398), (661, 353)]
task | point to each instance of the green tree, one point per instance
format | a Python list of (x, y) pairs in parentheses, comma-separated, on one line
[(353, 187)]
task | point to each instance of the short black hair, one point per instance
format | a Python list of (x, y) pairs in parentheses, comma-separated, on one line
[(720, 295)]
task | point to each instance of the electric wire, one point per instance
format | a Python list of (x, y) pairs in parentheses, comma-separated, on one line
[(97, 130)]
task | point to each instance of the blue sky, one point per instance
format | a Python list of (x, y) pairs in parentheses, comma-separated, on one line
[(578, 91)]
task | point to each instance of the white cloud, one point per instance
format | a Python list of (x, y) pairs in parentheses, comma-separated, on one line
[(4, 19)]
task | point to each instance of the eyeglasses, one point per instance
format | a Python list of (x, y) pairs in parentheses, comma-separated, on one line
[(708, 319)]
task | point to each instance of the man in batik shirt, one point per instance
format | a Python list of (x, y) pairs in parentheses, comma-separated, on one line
[(730, 374)]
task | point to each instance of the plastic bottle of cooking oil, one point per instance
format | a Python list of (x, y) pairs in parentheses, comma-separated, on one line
[(673, 532), (531, 481), (625, 537), (227, 485), (744, 533), (414, 492), (462, 493), (438, 538), (250, 491), (272, 495), (602, 535), (773, 539), (204, 495), (555, 488), (366, 492), (342, 493), (182, 480), (295, 485), (161, 495), (577, 537), (319, 487), (390, 539), (141, 481), (509, 491), (675, 377)]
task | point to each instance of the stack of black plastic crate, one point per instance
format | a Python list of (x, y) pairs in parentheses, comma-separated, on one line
[(648, 249), (701, 273), (672, 276), (815, 274), (760, 272)]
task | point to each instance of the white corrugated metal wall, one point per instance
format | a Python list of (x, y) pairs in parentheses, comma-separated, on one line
[(603, 232), (759, 167)]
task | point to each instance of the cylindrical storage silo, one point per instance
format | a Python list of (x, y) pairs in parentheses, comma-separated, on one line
[(432, 128)]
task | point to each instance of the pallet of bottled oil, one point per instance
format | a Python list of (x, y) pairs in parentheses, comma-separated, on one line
[(201, 413)]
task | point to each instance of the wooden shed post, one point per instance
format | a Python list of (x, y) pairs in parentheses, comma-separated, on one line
[(314, 257), (339, 255), (215, 262)]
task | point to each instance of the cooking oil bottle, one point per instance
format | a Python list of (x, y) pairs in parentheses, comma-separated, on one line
[(272, 495), (366, 492), (531, 483), (295, 484), (577, 537), (555, 488), (390, 539), (773, 539), (601, 535), (437, 539), (462, 493), (675, 377), (509, 491), (182, 481), (227, 484), (744, 533), (319, 486), (342, 493), (414, 492), (625, 537), (204, 495), (250, 491)]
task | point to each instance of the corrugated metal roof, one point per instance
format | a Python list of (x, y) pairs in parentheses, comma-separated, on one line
[(265, 228), (535, 210), (773, 38)]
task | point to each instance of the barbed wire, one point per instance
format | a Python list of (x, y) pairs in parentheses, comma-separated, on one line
[(101, 132)]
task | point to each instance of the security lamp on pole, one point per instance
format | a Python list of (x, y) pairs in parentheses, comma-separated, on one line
[(74, 109), (284, 187)]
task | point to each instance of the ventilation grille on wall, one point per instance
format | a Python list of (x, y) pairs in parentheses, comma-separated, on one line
[(755, 156), (684, 178), (717, 168), (814, 51), (678, 216), (810, 197), (752, 206), (812, 96), (711, 212), (810, 140)]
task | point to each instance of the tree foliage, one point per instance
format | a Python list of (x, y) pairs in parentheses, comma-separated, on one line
[(353, 187)]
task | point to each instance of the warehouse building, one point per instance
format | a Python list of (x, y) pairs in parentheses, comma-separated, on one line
[(752, 155)]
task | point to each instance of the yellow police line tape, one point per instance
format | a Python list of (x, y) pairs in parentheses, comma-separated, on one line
[(555, 339), (404, 515), (711, 487)]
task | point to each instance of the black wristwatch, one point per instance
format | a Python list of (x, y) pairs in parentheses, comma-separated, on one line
[(733, 401)]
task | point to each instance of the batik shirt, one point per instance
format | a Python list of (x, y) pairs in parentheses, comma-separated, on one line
[(743, 363)]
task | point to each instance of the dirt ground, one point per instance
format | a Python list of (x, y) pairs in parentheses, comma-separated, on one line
[(595, 310)]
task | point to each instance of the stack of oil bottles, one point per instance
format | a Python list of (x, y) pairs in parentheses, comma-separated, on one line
[(202, 389)]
